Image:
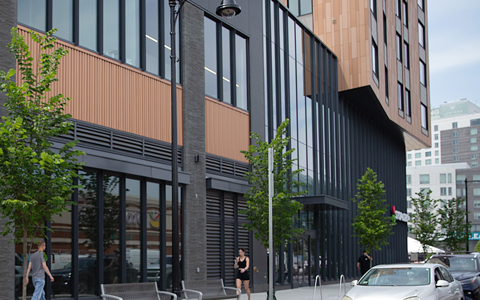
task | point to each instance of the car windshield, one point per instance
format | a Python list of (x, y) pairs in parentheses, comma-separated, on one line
[(396, 277), (457, 264)]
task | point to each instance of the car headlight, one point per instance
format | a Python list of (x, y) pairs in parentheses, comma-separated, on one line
[(346, 298), (412, 298)]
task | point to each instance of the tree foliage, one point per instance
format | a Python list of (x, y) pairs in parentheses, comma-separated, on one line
[(451, 217), (285, 209), (35, 182), (371, 224), (424, 219)]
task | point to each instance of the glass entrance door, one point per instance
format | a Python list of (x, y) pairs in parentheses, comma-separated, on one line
[(301, 261)]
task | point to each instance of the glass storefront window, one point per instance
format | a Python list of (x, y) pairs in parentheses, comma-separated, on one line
[(111, 229), (88, 24), (87, 236), (133, 220), (33, 13), (63, 18)]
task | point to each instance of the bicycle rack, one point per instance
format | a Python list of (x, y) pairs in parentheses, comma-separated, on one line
[(315, 289), (340, 286)]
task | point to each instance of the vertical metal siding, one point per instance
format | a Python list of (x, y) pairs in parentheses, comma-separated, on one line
[(108, 93)]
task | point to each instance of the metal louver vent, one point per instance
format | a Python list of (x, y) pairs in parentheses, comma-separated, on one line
[(226, 167), (115, 141)]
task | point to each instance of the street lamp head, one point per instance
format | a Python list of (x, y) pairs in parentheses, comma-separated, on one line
[(228, 9)]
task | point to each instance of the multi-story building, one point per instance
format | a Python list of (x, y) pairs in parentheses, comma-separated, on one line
[(452, 158), (333, 80)]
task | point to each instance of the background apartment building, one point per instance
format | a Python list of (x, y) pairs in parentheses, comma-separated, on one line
[(353, 82), (452, 158)]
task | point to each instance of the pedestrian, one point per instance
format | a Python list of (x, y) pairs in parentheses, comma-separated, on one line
[(363, 262), (39, 267), (242, 262)]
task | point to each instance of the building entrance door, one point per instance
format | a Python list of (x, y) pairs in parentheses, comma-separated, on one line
[(302, 260)]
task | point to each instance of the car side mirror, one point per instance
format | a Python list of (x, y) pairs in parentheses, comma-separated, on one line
[(354, 283), (442, 283)]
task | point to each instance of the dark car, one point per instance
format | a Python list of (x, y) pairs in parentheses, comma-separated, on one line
[(465, 268), (88, 276)]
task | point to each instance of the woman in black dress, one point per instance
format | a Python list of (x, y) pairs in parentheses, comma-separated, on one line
[(243, 264)]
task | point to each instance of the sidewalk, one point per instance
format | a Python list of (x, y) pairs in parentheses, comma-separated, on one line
[(328, 292)]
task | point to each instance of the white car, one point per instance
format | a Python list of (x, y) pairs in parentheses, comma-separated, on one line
[(406, 282)]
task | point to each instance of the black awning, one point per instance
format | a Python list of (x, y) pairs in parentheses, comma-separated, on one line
[(324, 201)]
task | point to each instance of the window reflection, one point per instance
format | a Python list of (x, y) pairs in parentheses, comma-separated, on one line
[(88, 24), (152, 41), (111, 214), (241, 64), (63, 18), (33, 13), (133, 220), (226, 60), (210, 58), (87, 216), (111, 24), (132, 32), (61, 258), (154, 227)]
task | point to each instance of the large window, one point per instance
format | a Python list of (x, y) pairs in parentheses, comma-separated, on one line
[(423, 73), (300, 7), (210, 29), (421, 34), (399, 47), (114, 29), (406, 55), (424, 178), (132, 32), (229, 83), (375, 58), (400, 96), (407, 103), (405, 13), (424, 116), (87, 24), (62, 11), (33, 13)]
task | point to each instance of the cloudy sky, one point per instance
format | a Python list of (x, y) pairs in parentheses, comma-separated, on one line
[(454, 40)]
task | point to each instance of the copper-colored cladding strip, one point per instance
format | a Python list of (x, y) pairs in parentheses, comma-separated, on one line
[(227, 130), (111, 94), (114, 95)]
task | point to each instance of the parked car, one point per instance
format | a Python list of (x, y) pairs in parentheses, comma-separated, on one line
[(465, 268), (153, 271), (88, 276), (406, 281)]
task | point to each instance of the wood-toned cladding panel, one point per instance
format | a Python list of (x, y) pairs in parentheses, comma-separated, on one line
[(344, 27), (114, 95), (227, 130)]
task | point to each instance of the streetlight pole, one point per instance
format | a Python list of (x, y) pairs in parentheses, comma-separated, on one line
[(175, 219), (227, 9), (466, 208)]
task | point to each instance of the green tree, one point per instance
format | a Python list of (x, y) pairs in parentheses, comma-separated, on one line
[(284, 208), (36, 182), (424, 219), (371, 224), (477, 247), (451, 217)]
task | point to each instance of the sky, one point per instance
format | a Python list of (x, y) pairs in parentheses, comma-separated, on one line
[(454, 50)]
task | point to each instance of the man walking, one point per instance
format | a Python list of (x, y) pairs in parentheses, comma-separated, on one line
[(363, 262), (38, 266)]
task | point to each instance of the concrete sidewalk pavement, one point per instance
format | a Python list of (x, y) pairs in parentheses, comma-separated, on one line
[(329, 291)]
